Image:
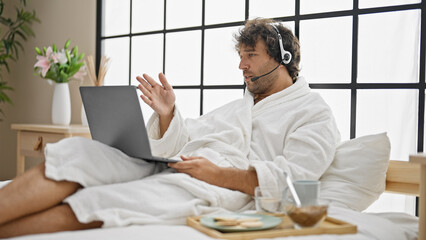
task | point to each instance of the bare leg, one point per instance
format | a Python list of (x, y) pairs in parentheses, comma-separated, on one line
[(58, 218), (32, 192)]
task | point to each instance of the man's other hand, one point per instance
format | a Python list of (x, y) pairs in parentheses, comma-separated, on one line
[(199, 168)]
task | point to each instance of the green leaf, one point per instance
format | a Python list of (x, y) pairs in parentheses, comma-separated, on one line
[(75, 51), (38, 51), (27, 30), (15, 50), (67, 44), (63, 76), (80, 57), (67, 53), (1, 7), (20, 45), (21, 34), (4, 21)]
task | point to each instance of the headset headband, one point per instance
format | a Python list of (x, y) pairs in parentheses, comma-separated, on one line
[(285, 55)]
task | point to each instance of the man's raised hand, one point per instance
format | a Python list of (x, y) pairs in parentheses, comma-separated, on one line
[(160, 97)]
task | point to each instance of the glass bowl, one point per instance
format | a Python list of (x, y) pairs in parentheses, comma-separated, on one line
[(306, 216)]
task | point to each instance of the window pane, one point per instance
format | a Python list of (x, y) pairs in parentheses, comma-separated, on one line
[(271, 8), (188, 102), (117, 49), (147, 56), (388, 50), (216, 98), (382, 3), (220, 58), (183, 57), (315, 6), (116, 17), (146, 110), (147, 15), (326, 51), (183, 13), (289, 25), (393, 111), (218, 11), (340, 103)]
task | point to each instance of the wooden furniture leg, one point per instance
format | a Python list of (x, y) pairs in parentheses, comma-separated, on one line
[(421, 159), (20, 159)]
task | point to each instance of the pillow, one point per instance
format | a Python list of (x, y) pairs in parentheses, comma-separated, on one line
[(357, 175)]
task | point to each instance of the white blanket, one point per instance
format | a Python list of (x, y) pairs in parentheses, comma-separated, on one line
[(389, 226), (291, 131)]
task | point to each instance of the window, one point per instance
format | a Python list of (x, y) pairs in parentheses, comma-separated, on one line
[(366, 58)]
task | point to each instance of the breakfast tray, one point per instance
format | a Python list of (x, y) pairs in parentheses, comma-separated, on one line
[(286, 228)]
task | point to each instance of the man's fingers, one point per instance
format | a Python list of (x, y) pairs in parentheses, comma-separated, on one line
[(144, 83), (150, 80), (188, 157), (164, 82), (144, 90), (146, 100), (180, 166)]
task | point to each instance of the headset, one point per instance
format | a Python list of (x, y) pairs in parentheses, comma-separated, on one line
[(285, 55)]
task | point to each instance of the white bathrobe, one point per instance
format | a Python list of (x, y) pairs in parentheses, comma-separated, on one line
[(292, 131)]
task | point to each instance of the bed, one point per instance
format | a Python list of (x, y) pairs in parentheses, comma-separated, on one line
[(391, 176)]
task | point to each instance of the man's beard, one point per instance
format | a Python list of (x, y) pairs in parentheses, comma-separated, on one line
[(262, 84)]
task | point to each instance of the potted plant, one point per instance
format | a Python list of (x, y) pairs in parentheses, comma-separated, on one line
[(59, 67), (13, 31)]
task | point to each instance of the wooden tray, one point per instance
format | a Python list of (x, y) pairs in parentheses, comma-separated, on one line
[(286, 228)]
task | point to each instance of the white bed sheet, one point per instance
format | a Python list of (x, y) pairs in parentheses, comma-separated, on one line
[(389, 226)]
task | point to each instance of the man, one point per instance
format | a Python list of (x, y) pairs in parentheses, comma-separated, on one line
[(278, 126)]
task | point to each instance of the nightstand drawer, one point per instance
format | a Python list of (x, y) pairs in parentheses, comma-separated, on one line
[(32, 143)]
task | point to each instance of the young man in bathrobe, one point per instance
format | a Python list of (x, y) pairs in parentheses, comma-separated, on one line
[(279, 125)]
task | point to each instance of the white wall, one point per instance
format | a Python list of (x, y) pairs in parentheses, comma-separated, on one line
[(60, 20)]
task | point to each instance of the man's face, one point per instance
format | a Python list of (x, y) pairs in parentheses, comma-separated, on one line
[(255, 62)]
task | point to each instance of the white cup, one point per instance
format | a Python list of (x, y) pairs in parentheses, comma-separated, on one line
[(308, 191)]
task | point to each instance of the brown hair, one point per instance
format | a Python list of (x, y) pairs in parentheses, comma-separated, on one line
[(261, 28)]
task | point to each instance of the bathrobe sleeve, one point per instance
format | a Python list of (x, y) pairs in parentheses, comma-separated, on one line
[(173, 139)]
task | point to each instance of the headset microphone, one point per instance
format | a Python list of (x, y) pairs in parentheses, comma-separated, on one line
[(255, 78)]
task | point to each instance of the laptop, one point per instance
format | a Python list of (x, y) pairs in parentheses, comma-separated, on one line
[(115, 118)]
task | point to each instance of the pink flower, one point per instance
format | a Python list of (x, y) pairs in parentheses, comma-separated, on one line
[(43, 62), (81, 73)]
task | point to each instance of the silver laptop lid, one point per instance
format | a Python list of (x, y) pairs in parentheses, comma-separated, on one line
[(115, 118)]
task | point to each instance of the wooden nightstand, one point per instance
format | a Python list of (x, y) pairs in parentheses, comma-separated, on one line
[(32, 139)]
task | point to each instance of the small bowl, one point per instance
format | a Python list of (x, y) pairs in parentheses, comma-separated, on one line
[(306, 216)]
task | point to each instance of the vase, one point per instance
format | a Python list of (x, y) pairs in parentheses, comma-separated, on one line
[(61, 104), (83, 116)]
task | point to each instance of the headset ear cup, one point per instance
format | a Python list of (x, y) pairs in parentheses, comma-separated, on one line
[(287, 57)]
